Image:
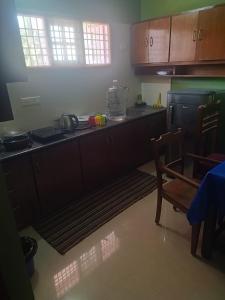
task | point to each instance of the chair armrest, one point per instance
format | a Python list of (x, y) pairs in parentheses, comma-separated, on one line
[(181, 177), (202, 158)]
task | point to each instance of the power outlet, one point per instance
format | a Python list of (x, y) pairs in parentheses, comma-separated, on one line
[(30, 101)]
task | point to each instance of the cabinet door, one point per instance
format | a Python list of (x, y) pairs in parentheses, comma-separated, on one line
[(183, 37), (58, 175), (95, 158), (124, 145), (147, 128), (140, 43), (159, 40), (211, 37), (21, 190)]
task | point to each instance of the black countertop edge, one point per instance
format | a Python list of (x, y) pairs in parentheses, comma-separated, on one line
[(132, 115)]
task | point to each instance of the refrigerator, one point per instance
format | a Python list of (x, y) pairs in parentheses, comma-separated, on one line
[(182, 108)]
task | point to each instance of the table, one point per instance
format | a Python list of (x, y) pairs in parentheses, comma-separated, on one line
[(209, 206)]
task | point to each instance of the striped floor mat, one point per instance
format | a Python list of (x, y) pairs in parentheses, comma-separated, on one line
[(70, 225)]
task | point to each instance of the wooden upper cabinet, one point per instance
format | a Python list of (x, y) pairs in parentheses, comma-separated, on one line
[(211, 35), (159, 40), (184, 33), (140, 43)]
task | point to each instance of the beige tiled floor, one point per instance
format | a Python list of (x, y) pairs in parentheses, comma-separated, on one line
[(130, 258)]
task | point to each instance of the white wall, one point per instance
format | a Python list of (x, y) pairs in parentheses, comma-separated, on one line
[(78, 91), (152, 86)]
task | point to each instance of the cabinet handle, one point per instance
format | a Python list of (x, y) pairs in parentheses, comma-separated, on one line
[(200, 35), (194, 37), (146, 42), (151, 41)]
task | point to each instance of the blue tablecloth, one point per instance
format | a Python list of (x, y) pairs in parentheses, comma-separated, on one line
[(211, 190)]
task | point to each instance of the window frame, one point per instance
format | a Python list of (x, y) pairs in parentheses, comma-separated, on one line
[(110, 43), (46, 36), (52, 65)]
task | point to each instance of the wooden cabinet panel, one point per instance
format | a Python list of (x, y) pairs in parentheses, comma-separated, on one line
[(21, 190), (3, 294), (140, 43), (149, 128), (124, 146), (159, 40), (211, 37), (131, 143), (58, 175), (95, 158), (184, 30), (113, 152)]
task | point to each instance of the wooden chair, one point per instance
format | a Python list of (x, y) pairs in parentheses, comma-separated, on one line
[(181, 190), (208, 120)]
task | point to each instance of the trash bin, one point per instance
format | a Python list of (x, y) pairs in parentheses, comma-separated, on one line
[(29, 247)]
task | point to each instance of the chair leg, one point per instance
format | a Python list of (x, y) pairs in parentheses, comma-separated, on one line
[(194, 238), (159, 207)]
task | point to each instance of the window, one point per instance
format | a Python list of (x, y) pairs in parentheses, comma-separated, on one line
[(66, 41), (96, 43), (34, 40), (51, 41)]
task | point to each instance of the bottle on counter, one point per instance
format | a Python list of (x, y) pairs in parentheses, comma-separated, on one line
[(117, 102)]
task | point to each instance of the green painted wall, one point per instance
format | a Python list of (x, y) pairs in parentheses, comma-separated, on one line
[(212, 83), (151, 8)]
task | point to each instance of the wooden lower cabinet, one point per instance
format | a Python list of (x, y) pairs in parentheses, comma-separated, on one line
[(46, 180), (58, 175), (115, 151), (21, 190), (148, 128), (3, 293), (124, 147), (95, 158)]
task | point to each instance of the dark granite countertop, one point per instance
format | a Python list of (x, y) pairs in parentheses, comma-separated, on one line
[(133, 113)]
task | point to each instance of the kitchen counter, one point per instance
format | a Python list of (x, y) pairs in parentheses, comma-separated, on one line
[(133, 113), (46, 177)]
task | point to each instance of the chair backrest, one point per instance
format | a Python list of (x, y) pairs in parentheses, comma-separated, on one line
[(207, 128), (169, 142)]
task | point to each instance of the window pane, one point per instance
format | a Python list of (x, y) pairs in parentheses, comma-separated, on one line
[(66, 41), (96, 43), (34, 41)]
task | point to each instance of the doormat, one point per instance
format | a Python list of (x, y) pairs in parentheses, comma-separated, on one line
[(70, 225)]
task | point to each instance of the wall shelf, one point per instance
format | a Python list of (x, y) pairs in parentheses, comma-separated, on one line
[(190, 70)]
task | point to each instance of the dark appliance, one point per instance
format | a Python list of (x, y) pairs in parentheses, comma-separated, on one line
[(182, 110), (46, 135), (16, 141)]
